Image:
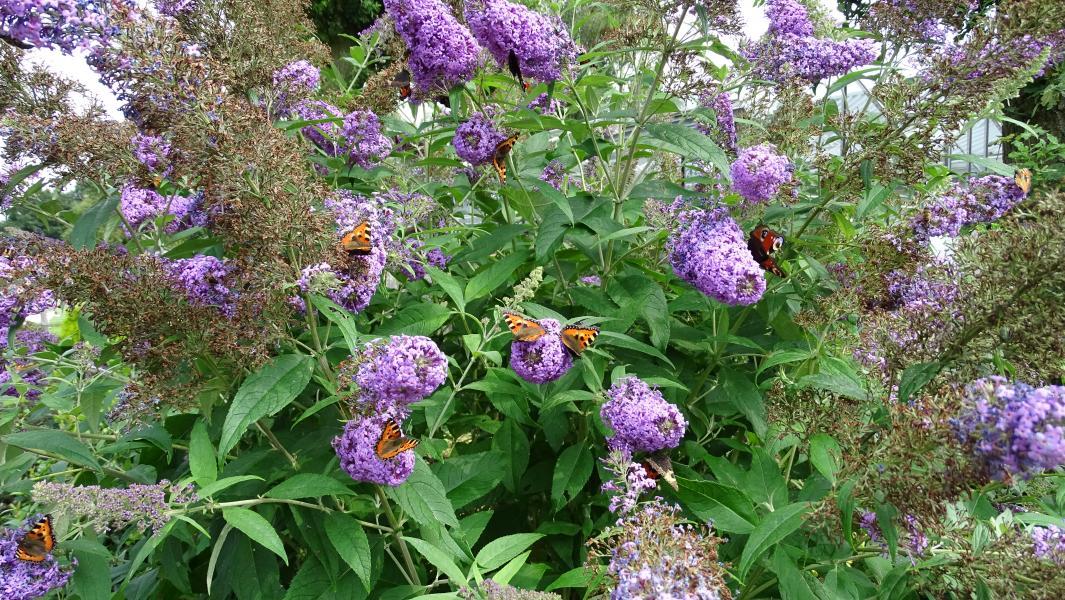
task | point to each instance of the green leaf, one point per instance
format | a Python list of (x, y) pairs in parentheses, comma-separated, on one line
[(555, 196), (417, 319), (216, 551), (213, 488), (825, 456), (512, 443), (439, 559), (202, 459), (264, 393), (738, 390), (688, 143), (308, 485), (84, 233), (341, 317), (54, 442), (915, 377), (498, 272), (509, 570), (624, 341), (793, 586), (728, 507), (572, 471), (423, 497), (351, 543), (574, 578), (995, 166), (622, 233), (92, 577), (449, 284), (846, 503), (776, 526), (258, 529), (502, 549)]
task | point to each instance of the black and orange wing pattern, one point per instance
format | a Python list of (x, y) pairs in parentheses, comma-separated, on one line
[(762, 243), (578, 337), (499, 157), (38, 542), (523, 328), (1023, 179), (660, 464), (402, 82), (515, 69), (358, 240), (392, 443)]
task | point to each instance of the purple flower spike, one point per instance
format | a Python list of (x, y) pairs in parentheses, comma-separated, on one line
[(139, 205), (544, 360), (297, 79), (364, 143), (709, 251), (980, 200), (322, 135), (30, 339), (476, 139), (202, 279), (399, 372), (759, 171), (541, 43), (642, 420), (1048, 543), (23, 580), (443, 53), (153, 152), (356, 449)]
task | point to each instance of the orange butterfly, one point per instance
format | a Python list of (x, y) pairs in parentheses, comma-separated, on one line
[(358, 241), (575, 337), (499, 157), (392, 442), (515, 69), (1023, 179), (38, 542)]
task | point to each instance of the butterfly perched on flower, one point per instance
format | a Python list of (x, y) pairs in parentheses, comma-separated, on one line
[(402, 82), (762, 243), (392, 443), (515, 69), (659, 464), (576, 338), (38, 542), (358, 240), (1023, 179), (499, 156)]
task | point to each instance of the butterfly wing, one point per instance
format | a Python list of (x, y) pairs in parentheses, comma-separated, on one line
[(523, 328), (660, 462), (358, 240), (38, 541), (402, 81), (762, 243), (771, 265), (1023, 179), (499, 157), (392, 443), (515, 69), (577, 338)]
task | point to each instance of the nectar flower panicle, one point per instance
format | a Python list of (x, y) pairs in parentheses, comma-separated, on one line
[(202, 278), (154, 152), (443, 53), (364, 143), (29, 339), (145, 506), (629, 480), (326, 136), (490, 590), (476, 139), (980, 200), (1048, 543), (759, 172), (356, 449), (641, 418), (296, 80), (709, 251), (395, 373), (24, 580), (543, 360), (541, 43), (139, 205)]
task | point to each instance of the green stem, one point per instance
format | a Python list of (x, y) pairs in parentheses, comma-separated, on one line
[(412, 571), (276, 444)]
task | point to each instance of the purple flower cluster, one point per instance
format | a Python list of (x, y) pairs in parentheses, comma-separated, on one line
[(30, 339), (296, 80), (628, 480), (355, 447), (153, 152), (544, 360), (545, 105), (709, 251), (721, 104), (364, 143), (23, 580), (322, 135), (62, 24), (323, 280), (591, 280), (790, 51), (554, 173), (443, 53), (1048, 543), (541, 43), (490, 590), (980, 200), (202, 279), (759, 172), (21, 296), (146, 506), (476, 139), (139, 205), (1013, 428), (642, 419), (396, 373)]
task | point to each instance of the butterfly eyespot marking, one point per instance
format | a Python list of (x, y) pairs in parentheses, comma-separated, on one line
[(778, 243)]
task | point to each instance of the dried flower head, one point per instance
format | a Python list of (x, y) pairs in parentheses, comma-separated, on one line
[(145, 506)]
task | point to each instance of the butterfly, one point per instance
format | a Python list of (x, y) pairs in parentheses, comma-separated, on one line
[(762, 244), (38, 542), (1023, 179), (499, 156), (358, 241), (392, 442), (576, 338), (659, 464), (515, 69), (402, 81)]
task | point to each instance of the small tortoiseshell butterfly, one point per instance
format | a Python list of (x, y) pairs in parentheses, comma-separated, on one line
[(576, 338), (499, 157), (762, 244), (358, 240), (392, 442), (515, 69), (38, 542), (1023, 179)]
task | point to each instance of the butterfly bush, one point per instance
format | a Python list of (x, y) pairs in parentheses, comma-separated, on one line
[(325, 135), (24, 580), (708, 250), (476, 139), (641, 418), (29, 339), (396, 373), (202, 280), (491, 590), (154, 152), (356, 449), (139, 205), (628, 480), (543, 360), (759, 172), (66, 25), (21, 295), (545, 104), (1048, 543), (1013, 428), (541, 43), (295, 81), (554, 173), (443, 53), (980, 200), (364, 143), (144, 506), (721, 104)]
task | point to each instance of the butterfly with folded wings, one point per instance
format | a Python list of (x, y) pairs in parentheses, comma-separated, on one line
[(499, 157), (515, 69), (392, 442)]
